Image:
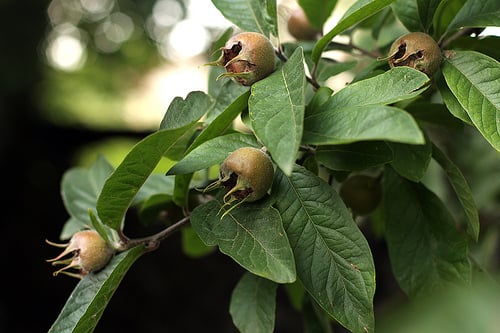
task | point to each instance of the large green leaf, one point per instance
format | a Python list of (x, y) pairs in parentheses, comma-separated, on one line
[(445, 13), (473, 79), (397, 84), (333, 258), (411, 161), (359, 11), (253, 304), (318, 11), (462, 190), (252, 235), (354, 156), (426, 250), (122, 186), (249, 15), (80, 188), (89, 299), (451, 102), (416, 15), (212, 152), (477, 14), (361, 123), (276, 108)]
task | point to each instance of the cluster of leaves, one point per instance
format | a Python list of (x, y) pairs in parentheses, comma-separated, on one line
[(302, 234)]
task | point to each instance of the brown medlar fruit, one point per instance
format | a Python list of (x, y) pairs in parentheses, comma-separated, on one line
[(300, 27), (247, 57), (89, 253), (361, 193), (416, 50)]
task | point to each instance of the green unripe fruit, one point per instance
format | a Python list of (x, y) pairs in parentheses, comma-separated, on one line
[(247, 174), (416, 50), (361, 193), (247, 57), (300, 27)]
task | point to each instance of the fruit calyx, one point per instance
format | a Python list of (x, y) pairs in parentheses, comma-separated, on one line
[(88, 252)]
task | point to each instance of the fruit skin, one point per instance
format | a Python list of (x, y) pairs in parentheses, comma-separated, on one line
[(90, 253), (361, 193), (247, 174), (416, 50), (248, 57), (300, 27)]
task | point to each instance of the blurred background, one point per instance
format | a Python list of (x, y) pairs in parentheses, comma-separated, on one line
[(86, 77)]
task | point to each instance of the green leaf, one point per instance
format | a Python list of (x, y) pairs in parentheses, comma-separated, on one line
[(182, 112), (80, 188), (361, 123), (276, 108), (87, 302), (451, 102), (445, 13), (473, 79), (398, 84), (229, 93), (212, 152), (192, 245), (354, 156), (411, 161), (223, 122), (475, 13), (359, 11), (416, 15), (318, 12), (122, 186), (462, 190), (426, 250), (249, 15), (253, 304), (333, 258), (253, 236)]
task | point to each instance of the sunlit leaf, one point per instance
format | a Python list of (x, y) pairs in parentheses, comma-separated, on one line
[(473, 79), (253, 236), (333, 259), (426, 250), (253, 304), (212, 152), (182, 112), (89, 299), (276, 108), (359, 11), (475, 13), (249, 15), (398, 84), (462, 190), (361, 123), (124, 183)]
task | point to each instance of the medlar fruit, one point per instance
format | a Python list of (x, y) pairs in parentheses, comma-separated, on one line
[(361, 193), (300, 27), (246, 174), (247, 57), (416, 50), (89, 253)]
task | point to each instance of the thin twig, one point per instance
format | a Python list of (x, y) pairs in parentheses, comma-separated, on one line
[(153, 241)]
